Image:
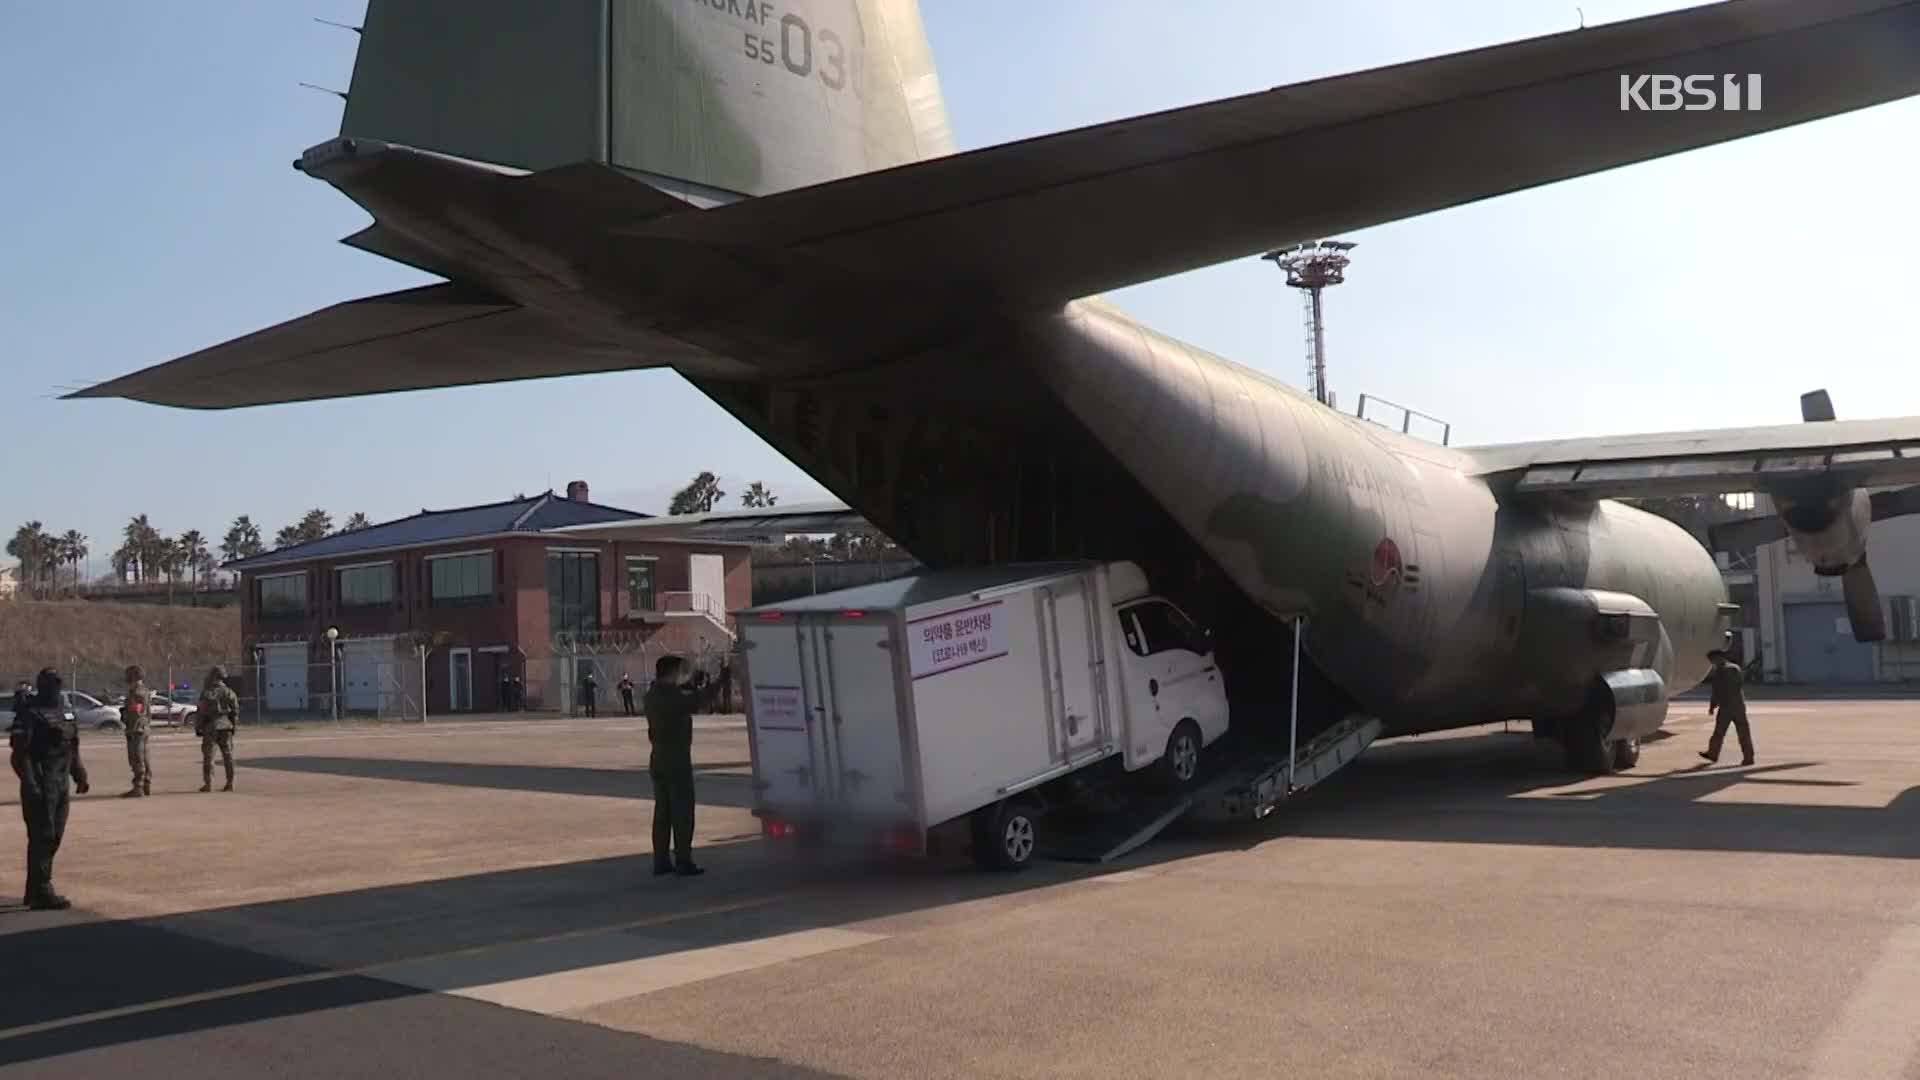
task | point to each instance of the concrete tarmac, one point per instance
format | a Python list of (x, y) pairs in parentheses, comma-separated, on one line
[(475, 900)]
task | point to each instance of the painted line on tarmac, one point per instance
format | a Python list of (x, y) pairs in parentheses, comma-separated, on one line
[(1877, 1034), (374, 970)]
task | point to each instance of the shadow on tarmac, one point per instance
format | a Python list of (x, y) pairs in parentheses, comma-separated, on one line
[(290, 958), (717, 783), (1470, 790), (293, 958)]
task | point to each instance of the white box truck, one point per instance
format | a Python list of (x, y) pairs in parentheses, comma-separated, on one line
[(961, 707)]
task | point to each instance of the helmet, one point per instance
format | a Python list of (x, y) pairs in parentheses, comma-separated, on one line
[(46, 687)]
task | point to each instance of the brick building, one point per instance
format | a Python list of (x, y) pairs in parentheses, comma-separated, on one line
[(488, 590)]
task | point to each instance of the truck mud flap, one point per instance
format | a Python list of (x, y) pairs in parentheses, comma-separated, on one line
[(1253, 790)]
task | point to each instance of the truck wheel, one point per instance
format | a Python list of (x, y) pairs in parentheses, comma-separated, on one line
[(1181, 763), (1005, 836), (1626, 753)]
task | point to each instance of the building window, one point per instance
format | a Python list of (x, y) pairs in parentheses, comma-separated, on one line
[(461, 579), (640, 584), (365, 586), (283, 595), (573, 591)]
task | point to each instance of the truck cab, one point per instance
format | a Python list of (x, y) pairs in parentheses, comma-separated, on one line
[(1170, 679)]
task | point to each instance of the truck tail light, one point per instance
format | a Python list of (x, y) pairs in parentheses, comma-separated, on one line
[(777, 829), (904, 839)]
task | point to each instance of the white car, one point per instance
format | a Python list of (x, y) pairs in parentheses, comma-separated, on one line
[(169, 711), (88, 710)]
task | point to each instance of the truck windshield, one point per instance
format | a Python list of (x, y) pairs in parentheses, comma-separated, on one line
[(1162, 628)]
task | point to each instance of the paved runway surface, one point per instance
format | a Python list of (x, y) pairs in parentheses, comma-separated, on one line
[(474, 900)]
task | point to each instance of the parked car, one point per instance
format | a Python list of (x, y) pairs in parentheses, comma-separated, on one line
[(168, 710), (89, 710)]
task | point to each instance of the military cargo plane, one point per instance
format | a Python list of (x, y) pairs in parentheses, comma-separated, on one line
[(763, 196)]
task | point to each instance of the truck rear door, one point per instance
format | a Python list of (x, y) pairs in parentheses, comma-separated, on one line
[(785, 757), (858, 709), (824, 712)]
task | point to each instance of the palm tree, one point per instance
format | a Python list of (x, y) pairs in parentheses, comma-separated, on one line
[(145, 547), (357, 522), (73, 549), (192, 552), (316, 524), (242, 540), (34, 549), (170, 558), (697, 497), (757, 495)]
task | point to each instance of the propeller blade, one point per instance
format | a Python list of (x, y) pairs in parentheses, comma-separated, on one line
[(1863, 603), (1890, 504), (1746, 533), (1816, 406)]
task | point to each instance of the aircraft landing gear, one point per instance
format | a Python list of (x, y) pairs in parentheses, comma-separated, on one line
[(1587, 748), (1626, 754)]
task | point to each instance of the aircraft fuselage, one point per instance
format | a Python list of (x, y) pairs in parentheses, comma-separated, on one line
[(1430, 599)]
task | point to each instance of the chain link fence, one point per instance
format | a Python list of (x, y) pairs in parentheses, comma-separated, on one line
[(579, 668), (414, 678)]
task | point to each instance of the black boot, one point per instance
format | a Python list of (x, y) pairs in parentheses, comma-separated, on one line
[(687, 869), (662, 867), (48, 900)]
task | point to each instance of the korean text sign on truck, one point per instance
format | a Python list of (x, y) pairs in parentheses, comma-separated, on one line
[(962, 698)]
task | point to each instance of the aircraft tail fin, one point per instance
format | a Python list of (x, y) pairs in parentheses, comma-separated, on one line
[(711, 99)]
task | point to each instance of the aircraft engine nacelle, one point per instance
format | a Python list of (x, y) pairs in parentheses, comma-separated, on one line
[(1587, 638), (1832, 531)]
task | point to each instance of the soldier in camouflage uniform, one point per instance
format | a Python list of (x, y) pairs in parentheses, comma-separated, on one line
[(215, 719), (137, 716)]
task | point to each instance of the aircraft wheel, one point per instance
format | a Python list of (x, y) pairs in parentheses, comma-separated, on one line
[(1006, 836), (1587, 751), (1626, 753)]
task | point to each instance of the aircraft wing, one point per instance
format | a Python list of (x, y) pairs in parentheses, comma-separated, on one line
[(1862, 453), (432, 336), (1068, 215), (883, 262)]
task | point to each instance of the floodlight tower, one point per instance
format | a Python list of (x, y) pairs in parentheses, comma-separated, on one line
[(1311, 267)]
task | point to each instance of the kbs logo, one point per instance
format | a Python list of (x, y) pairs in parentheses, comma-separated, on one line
[(1694, 93)]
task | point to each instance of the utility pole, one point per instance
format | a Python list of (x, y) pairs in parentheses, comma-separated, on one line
[(1312, 267)]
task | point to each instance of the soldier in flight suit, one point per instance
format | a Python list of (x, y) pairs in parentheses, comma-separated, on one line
[(46, 752), (626, 693), (215, 719), (670, 703), (1731, 703), (137, 716)]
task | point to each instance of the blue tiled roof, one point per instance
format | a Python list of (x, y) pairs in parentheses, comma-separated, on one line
[(534, 514)]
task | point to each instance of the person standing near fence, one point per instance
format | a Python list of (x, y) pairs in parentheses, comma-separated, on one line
[(590, 693), (136, 716), (626, 693), (214, 722)]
